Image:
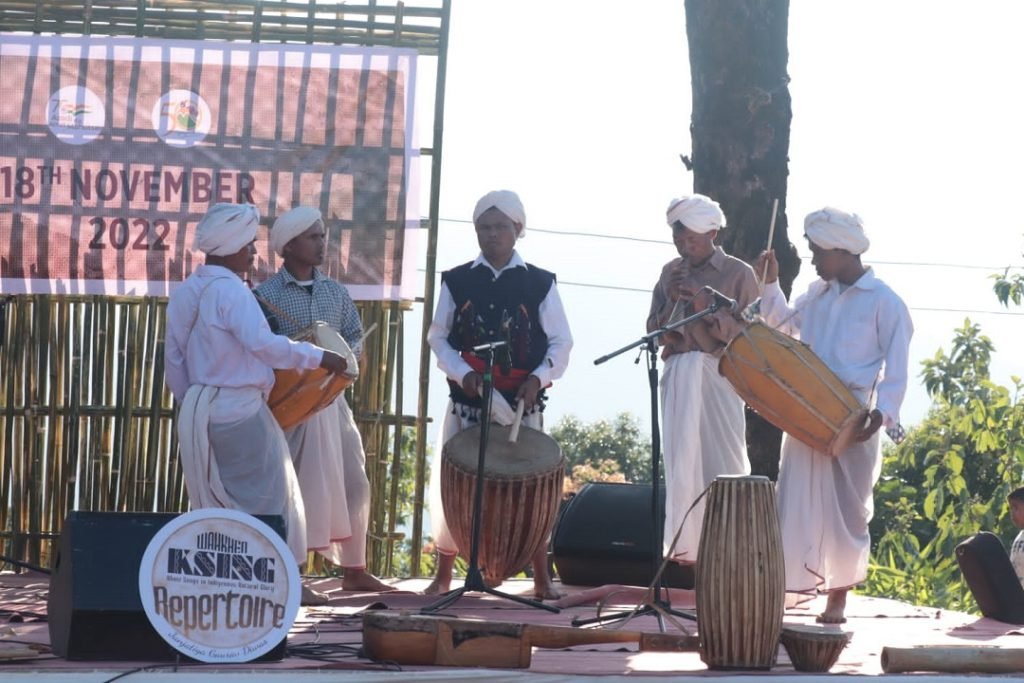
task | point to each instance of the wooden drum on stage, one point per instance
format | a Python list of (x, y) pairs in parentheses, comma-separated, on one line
[(522, 490), (741, 584), (299, 394), (788, 385)]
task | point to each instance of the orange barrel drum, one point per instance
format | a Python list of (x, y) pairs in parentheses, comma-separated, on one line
[(788, 385), (299, 394)]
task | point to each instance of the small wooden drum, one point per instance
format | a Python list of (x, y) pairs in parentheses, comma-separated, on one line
[(782, 379), (299, 394), (813, 648), (522, 489), (741, 586)]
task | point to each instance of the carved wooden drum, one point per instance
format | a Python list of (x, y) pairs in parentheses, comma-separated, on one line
[(741, 584), (788, 385), (522, 489), (299, 394)]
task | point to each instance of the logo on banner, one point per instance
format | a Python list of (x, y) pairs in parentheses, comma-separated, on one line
[(181, 118), (75, 115), (219, 586)]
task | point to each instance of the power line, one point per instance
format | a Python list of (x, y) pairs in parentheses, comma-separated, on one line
[(647, 291), (628, 238)]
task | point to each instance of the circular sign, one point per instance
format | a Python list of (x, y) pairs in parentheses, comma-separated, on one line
[(75, 115), (219, 585), (181, 118)]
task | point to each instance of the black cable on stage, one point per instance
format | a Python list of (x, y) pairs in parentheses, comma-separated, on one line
[(24, 565), (148, 667)]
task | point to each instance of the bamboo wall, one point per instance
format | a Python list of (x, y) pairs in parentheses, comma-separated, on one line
[(85, 420)]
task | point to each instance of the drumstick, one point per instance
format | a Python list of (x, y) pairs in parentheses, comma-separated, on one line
[(771, 236), (513, 434)]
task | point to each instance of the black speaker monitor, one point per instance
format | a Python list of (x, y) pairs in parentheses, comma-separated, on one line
[(94, 608), (605, 534)]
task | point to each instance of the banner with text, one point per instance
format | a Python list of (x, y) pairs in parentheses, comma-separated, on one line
[(112, 149)]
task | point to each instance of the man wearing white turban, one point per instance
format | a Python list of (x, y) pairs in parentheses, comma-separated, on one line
[(219, 360), (861, 329), (326, 449), (703, 423), (496, 297)]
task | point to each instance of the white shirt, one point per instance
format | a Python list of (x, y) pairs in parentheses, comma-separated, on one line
[(552, 320), (217, 335), (857, 332), (1017, 557)]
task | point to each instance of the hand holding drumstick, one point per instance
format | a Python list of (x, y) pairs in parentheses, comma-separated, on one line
[(333, 363), (768, 265)]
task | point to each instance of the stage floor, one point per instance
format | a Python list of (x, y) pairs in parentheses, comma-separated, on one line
[(326, 640)]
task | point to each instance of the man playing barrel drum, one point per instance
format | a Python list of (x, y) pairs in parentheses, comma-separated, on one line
[(703, 424), (861, 329), (326, 449), (219, 356), (496, 297)]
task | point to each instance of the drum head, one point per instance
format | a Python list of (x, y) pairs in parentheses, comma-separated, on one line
[(326, 337), (844, 438), (533, 452)]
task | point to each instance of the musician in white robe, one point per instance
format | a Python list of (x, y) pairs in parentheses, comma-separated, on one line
[(861, 329), (703, 422), (219, 357), (496, 297), (327, 449)]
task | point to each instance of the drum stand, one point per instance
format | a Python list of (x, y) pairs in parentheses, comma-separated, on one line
[(474, 577), (658, 605)]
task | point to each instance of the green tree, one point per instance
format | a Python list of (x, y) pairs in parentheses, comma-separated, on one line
[(949, 479), (1009, 287), (618, 440)]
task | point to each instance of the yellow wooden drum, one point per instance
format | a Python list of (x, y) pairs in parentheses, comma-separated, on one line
[(522, 489), (299, 394), (741, 584), (788, 385)]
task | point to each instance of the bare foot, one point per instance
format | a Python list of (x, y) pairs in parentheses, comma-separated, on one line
[(362, 580), (312, 597), (545, 590), (442, 582), (438, 586), (834, 609)]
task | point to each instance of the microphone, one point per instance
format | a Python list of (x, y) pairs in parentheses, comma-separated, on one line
[(721, 299)]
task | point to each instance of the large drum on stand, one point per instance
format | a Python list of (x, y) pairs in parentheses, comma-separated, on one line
[(741, 581), (788, 385), (522, 490), (299, 394)]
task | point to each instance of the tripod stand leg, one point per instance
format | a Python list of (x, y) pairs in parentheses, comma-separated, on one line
[(475, 582)]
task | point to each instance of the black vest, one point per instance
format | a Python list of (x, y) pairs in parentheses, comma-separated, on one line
[(506, 309)]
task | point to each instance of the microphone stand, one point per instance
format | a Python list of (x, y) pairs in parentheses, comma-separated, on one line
[(474, 577), (658, 605)]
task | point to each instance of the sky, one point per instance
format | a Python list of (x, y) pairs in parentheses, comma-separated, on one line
[(907, 112)]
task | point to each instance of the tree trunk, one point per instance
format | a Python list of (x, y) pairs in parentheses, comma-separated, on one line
[(740, 134)]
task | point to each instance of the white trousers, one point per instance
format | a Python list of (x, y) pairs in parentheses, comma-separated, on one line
[(234, 455), (703, 436), (330, 463)]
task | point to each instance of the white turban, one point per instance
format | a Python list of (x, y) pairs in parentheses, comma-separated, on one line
[(831, 228), (226, 228), (507, 202), (696, 212), (290, 225)]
